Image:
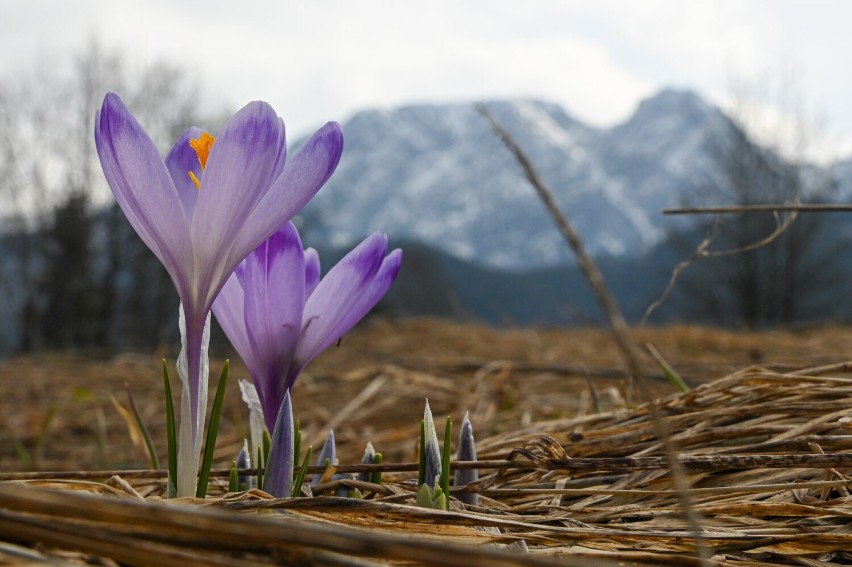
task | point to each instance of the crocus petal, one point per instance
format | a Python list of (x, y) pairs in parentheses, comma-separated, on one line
[(230, 313), (180, 160), (312, 271), (274, 281), (302, 177), (282, 153), (344, 297), (279, 471), (256, 421), (362, 304), (333, 297), (143, 187), (239, 172)]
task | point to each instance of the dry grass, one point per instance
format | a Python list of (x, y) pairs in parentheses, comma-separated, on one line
[(531, 402)]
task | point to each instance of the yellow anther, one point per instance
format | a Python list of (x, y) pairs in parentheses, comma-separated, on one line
[(202, 146), (194, 180)]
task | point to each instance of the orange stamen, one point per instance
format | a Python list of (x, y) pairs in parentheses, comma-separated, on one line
[(194, 180), (202, 146)]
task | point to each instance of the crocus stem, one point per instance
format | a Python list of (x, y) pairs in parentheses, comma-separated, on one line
[(193, 368)]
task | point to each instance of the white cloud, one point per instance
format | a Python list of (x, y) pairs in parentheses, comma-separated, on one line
[(322, 59)]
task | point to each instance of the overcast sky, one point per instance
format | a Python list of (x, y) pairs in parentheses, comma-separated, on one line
[(318, 60)]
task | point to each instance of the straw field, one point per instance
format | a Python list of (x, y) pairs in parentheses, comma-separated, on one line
[(576, 465)]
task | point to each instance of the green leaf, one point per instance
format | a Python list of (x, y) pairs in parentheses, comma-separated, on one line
[(260, 467), (424, 496), (171, 435), (212, 432), (267, 443), (303, 470), (674, 378), (421, 475), (297, 442), (376, 476), (445, 462), (233, 478)]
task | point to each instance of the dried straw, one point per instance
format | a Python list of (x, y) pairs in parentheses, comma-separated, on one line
[(767, 457)]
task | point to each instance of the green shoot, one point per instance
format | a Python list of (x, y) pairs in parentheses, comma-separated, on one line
[(260, 467), (376, 476), (267, 443), (233, 478), (171, 435), (421, 475), (303, 470), (297, 442), (212, 432), (445, 462)]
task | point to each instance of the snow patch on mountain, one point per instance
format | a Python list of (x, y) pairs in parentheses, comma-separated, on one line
[(437, 174)]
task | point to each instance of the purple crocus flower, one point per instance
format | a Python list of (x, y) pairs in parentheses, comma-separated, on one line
[(279, 315), (202, 210)]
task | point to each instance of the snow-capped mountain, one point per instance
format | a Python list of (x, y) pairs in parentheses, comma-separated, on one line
[(437, 174)]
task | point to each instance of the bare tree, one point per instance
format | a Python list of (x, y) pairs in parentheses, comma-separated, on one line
[(51, 184), (793, 277)]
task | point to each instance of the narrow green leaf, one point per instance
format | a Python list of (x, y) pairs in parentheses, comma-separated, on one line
[(297, 442), (674, 378), (260, 467), (23, 455), (376, 476), (171, 435), (425, 496), (212, 432), (445, 461), (143, 430), (267, 443), (421, 475), (43, 429), (233, 478), (303, 470)]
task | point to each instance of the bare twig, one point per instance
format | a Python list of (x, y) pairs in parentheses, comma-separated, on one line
[(607, 302), (746, 209), (692, 463), (678, 270), (781, 224)]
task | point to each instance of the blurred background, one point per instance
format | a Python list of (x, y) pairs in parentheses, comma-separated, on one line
[(625, 108)]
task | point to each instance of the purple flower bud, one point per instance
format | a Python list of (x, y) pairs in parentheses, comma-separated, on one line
[(244, 462), (431, 449), (467, 452), (328, 453), (367, 459), (279, 470)]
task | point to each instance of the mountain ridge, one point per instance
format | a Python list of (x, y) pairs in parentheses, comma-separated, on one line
[(437, 174)]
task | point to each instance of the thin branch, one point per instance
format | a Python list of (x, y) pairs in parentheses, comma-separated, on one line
[(747, 209), (780, 226), (692, 463), (679, 269), (607, 302)]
